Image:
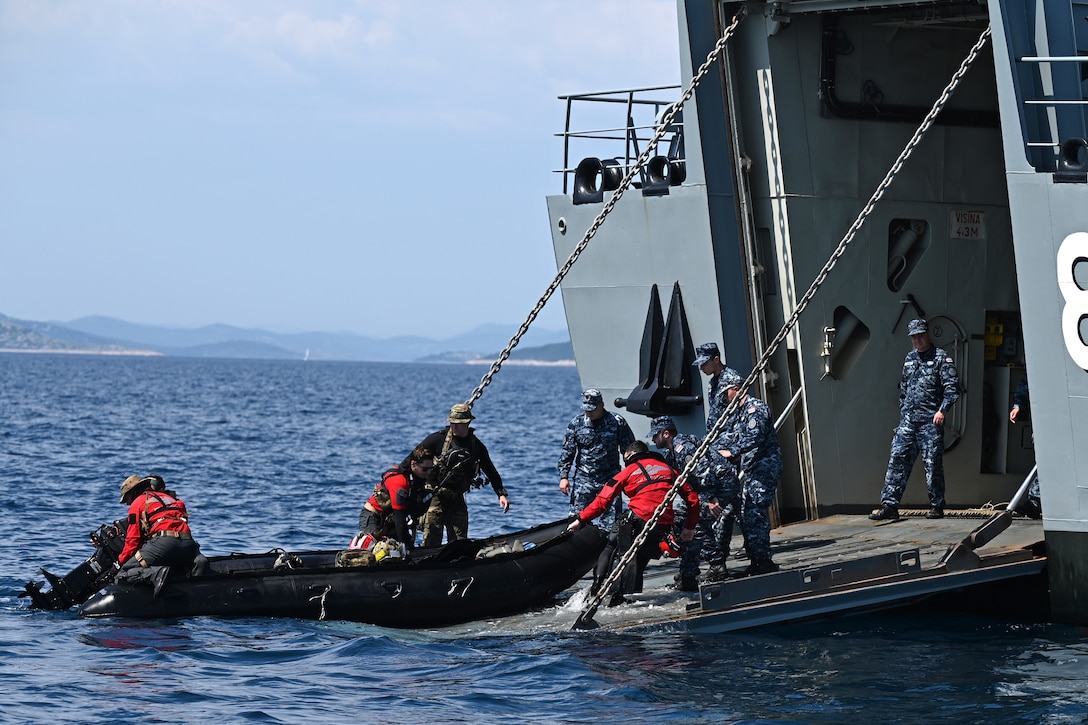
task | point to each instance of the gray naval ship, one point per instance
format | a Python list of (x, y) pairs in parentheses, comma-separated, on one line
[(800, 173)]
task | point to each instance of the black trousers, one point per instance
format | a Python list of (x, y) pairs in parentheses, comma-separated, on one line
[(621, 539)]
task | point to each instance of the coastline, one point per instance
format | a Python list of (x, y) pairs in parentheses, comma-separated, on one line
[(136, 353), (152, 353), (535, 363)]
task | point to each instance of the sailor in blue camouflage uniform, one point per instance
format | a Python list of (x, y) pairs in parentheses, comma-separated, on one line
[(715, 527), (709, 361), (929, 386), (1032, 507), (592, 446), (750, 442)]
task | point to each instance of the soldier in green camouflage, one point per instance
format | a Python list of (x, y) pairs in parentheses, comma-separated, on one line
[(460, 460)]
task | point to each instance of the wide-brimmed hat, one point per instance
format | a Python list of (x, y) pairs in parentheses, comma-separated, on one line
[(461, 413), (130, 483)]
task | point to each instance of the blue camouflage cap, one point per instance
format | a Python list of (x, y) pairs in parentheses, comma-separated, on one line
[(591, 398), (917, 327), (705, 352), (730, 378), (660, 423)]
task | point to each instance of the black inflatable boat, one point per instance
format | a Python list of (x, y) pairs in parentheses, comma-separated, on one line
[(458, 582)]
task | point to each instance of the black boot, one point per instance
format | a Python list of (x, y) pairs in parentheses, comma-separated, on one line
[(158, 579), (761, 566), (685, 584), (716, 573), (886, 512)]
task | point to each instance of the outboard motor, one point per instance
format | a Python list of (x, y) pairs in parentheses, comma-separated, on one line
[(78, 585)]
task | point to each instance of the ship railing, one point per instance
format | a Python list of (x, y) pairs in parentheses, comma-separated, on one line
[(1060, 111), (615, 147)]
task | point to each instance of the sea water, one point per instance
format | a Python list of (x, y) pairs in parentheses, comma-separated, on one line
[(282, 454)]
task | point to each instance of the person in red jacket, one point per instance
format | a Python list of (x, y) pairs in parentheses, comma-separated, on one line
[(645, 481), (158, 535), (402, 493)]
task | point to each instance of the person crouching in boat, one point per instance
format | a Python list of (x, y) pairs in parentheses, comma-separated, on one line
[(645, 481), (158, 535), (401, 493)]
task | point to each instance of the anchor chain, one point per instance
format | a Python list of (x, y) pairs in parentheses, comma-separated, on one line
[(643, 157), (719, 426)]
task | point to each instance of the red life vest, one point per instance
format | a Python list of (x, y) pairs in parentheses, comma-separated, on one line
[(150, 513), (163, 512)]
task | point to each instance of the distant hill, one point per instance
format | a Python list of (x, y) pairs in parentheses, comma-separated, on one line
[(108, 335), (555, 353), (46, 337)]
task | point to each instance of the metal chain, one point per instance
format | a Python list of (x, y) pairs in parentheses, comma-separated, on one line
[(662, 129), (719, 426)]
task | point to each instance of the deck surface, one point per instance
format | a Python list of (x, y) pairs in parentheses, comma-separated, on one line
[(831, 542), (797, 548)]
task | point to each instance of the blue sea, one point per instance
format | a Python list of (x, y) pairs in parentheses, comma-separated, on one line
[(282, 454)]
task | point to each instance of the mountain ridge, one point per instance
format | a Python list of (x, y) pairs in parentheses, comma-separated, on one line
[(106, 335)]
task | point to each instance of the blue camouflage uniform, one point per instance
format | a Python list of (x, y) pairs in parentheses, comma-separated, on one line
[(711, 540), (593, 448), (929, 383), (752, 443), (1020, 396), (1020, 400), (717, 399)]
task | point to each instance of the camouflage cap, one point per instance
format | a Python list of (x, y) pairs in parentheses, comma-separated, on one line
[(660, 423), (730, 378), (706, 352), (917, 327), (461, 413), (591, 398)]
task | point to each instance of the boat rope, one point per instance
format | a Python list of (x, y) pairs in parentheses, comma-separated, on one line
[(321, 596), (285, 560), (585, 618), (662, 128), (460, 587)]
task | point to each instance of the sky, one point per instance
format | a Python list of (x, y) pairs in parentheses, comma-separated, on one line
[(373, 166)]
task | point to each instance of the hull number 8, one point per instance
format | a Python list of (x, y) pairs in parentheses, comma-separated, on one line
[(1074, 251)]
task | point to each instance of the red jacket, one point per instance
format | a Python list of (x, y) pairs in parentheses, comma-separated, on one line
[(399, 487), (645, 482), (148, 514), (400, 495)]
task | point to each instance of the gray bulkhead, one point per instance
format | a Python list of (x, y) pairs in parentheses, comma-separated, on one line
[(785, 141), (812, 95), (810, 174)]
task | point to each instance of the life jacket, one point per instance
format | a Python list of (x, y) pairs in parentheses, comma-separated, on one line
[(644, 496), (457, 467), (382, 499), (665, 476), (162, 512)]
